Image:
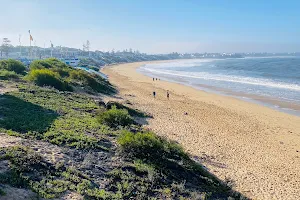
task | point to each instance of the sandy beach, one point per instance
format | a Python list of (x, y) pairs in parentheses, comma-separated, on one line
[(254, 148)]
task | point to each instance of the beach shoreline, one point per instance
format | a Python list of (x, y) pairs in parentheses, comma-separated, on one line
[(290, 107), (254, 147)]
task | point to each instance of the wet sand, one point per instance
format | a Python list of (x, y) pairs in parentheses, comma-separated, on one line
[(254, 147)]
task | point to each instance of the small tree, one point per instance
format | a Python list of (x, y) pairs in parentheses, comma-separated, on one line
[(5, 47)]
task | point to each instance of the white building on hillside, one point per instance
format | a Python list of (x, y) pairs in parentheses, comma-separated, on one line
[(71, 61)]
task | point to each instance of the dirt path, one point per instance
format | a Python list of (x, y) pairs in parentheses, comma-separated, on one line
[(7, 87)]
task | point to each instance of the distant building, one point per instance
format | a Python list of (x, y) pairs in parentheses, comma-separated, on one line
[(71, 61)]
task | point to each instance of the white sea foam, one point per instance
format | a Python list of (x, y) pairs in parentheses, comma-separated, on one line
[(181, 64), (226, 78)]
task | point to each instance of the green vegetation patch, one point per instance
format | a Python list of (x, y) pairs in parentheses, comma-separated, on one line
[(149, 146), (48, 63), (7, 75), (12, 65), (52, 64), (115, 118), (29, 170), (126, 183), (23, 116), (169, 167), (2, 193), (53, 72), (90, 63), (90, 82), (46, 77), (40, 64), (131, 111), (62, 118)]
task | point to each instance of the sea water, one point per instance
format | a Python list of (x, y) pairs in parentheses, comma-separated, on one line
[(273, 81)]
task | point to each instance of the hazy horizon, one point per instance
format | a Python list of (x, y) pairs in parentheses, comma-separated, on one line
[(155, 26)]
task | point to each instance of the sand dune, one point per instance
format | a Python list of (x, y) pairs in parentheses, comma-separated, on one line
[(254, 148)]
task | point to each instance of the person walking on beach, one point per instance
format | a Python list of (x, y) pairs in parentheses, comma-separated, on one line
[(153, 79), (168, 94), (154, 93)]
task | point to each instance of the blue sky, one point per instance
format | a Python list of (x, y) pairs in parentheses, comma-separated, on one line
[(156, 26)]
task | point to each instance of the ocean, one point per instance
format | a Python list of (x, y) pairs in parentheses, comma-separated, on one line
[(271, 81)]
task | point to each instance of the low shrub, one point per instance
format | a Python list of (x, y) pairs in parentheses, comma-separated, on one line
[(96, 83), (142, 167), (90, 83), (115, 117), (127, 184), (156, 154), (6, 75), (40, 64), (73, 139), (82, 76), (29, 170), (149, 146), (12, 65), (131, 111), (46, 77), (64, 73), (57, 63), (24, 160), (48, 63)]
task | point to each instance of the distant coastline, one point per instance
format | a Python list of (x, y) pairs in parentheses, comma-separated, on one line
[(102, 58)]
